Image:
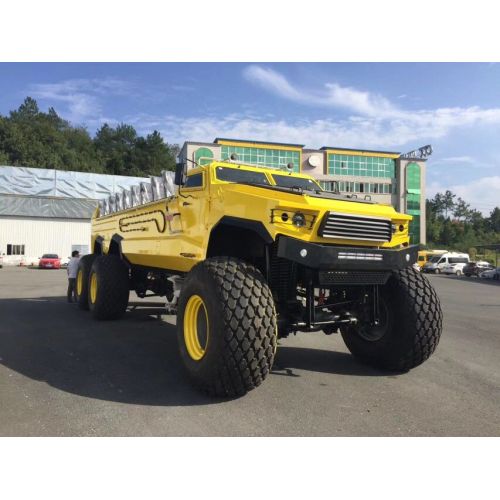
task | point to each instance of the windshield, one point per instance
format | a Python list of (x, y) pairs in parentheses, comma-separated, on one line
[(49, 256), (435, 259), (289, 181), (238, 175)]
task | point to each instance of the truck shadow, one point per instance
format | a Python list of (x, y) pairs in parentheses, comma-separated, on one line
[(134, 360), (289, 359)]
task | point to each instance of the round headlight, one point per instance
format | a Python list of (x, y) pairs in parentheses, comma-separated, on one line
[(299, 219)]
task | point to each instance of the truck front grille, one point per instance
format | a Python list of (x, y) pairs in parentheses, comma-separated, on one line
[(355, 227)]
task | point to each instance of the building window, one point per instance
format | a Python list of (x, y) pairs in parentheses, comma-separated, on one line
[(413, 200), (275, 158), (365, 187), (367, 166), (15, 249), (331, 186)]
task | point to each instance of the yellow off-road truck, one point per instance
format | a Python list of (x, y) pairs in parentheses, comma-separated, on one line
[(246, 255)]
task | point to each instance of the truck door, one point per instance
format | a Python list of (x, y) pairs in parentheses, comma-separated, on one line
[(193, 207)]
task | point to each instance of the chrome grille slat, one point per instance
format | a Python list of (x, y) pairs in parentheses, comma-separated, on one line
[(356, 227), (362, 222), (357, 233)]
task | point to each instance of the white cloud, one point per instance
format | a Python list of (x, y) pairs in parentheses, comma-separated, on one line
[(333, 94), (81, 98), (457, 159), (481, 193), (355, 131), (312, 133), (380, 117), (275, 82), (361, 102)]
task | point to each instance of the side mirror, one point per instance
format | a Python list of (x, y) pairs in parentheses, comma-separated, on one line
[(180, 174)]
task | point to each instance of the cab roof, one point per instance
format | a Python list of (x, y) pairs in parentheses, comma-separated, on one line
[(251, 168)]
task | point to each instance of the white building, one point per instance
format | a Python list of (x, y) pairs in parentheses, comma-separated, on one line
[(49, 211)]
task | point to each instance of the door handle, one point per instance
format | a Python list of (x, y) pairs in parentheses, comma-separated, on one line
[(186, 203)]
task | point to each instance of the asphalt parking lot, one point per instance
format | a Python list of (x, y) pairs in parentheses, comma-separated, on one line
[(63, 374)]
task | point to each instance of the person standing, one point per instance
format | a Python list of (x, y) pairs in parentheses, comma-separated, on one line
[(72, 271)]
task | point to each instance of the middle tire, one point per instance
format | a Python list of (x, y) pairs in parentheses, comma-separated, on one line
[(82, 281), (226, 326), (108, 287)]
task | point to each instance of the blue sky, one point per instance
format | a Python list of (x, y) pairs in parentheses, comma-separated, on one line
[(454, 107)]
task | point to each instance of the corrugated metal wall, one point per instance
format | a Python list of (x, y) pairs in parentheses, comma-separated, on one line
[(41, 236)]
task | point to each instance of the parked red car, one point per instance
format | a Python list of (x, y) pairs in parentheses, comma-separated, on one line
[(50, 261)]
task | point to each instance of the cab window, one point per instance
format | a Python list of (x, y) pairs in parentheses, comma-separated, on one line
[(238, 175), (194, 180), (289, 181)]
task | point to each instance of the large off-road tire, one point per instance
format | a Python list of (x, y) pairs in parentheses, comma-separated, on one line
[(410, 325), (82, 281), (109, 287), (226, 327)]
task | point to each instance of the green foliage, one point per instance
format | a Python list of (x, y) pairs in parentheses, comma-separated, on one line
[(465, 229), (32, 138)]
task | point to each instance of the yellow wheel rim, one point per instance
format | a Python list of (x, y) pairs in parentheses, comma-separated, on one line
[(196, 327), (79, 283), (93, 288)]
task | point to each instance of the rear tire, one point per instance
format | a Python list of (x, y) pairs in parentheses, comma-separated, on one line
[(109, 287), (412, 329), (226, 327), (82, 281)]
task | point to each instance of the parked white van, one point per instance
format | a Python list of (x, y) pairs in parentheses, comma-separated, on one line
[(437, 262)]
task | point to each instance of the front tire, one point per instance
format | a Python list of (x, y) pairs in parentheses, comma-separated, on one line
[(411, 320), (109, 287), (226, 327)]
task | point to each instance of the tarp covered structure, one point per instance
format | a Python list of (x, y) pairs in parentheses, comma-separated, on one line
[(35, 206), (62, 184)]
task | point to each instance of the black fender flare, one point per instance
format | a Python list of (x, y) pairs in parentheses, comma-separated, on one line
[(250, 225)]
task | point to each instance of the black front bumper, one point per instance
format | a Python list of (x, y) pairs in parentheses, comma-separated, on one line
[(329, 257)]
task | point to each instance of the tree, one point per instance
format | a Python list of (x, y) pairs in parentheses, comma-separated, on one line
[(461, 209), (33, 138), (494, 220), (126, 153), (467, 229), (27, 110), (448, 202)]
